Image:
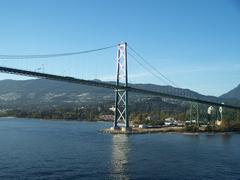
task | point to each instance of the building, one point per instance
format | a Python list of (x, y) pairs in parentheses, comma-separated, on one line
[(106, 117)]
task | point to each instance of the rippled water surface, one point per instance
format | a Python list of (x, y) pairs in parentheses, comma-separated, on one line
[(41, 149)]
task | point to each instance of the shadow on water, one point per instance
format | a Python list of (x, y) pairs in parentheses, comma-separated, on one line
[(226, 138), (120, 150)]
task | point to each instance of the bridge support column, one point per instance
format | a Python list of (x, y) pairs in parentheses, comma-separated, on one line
[(121, 94), (194, 113)]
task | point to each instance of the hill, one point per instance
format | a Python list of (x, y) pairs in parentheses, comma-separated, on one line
[(48, 93), (232, 94)]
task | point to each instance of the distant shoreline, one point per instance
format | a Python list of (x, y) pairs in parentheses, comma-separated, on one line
[(49, 119)]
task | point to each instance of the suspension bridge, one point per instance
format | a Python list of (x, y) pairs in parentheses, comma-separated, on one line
[(121, 87)]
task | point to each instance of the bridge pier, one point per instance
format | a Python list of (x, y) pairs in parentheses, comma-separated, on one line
[(194, 113)]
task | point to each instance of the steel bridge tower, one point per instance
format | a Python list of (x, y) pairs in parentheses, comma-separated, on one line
[(194, 113), (121, 94)]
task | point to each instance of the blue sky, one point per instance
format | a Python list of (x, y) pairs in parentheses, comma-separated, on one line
[(194, 43)]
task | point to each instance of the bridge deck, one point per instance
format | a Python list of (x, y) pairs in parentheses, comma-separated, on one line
[(110, 86)]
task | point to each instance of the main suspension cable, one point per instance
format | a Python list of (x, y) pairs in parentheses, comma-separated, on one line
[(146, 68), (36, 56), (152, 67)]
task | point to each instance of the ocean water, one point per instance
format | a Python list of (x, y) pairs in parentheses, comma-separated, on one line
[(44, 149)]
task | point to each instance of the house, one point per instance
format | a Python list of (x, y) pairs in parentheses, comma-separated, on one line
[(106, 117), (173, 122), (170, 121), (142, 126)]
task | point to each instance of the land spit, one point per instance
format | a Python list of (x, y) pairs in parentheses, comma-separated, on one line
[(135, 130)]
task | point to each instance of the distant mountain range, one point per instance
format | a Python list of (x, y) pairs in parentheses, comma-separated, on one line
[(41, 92), (233, 94)]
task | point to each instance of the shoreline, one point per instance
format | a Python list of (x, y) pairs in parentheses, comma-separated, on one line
[(178, 130), (51, 119), (136, 130)]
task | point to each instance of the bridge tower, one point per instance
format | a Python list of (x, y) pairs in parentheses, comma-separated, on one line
[(121, 94)]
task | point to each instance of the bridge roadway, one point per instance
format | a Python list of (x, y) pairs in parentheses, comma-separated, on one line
[(110, 86)]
